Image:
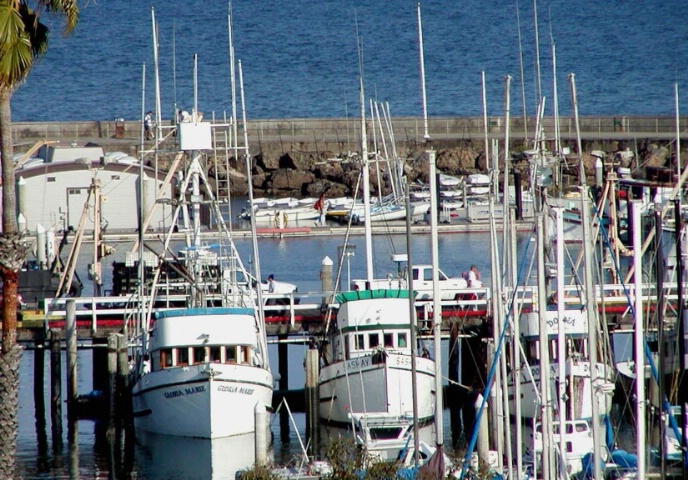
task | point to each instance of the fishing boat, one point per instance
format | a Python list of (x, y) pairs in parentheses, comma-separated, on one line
[(367, 360), (203, 368)]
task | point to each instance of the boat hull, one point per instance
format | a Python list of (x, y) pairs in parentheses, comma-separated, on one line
[(202, 401), (376, 385)]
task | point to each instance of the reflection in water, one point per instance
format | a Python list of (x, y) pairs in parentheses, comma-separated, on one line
[(163, 456)]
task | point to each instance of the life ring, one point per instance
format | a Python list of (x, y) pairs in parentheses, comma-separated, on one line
[(281, 219)]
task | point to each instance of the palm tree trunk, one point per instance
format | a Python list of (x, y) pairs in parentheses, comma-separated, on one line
[(9, 392), (13, 250)]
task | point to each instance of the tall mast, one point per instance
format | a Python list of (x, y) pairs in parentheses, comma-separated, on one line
[(523, 80), (232, 75), (561, 337), (436, 299), (366, 166), (590, 302), (156, 47), (639, 338), (487, 150), (537, 50), (426, 133)]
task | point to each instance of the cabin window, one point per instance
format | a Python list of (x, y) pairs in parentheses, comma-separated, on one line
[(401, 340), (215, 354), (182, 356), (243, 354), (569, 447), (389, 340), (230, 354), (415, 274), (373, 340), (166, 358), (347, 352), (73, 191), (51, 179), (199, 354), (360, 342), (114, 177), (427, 274)]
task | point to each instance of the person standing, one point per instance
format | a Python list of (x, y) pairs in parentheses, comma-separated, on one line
[(474, 277), (148, 125)]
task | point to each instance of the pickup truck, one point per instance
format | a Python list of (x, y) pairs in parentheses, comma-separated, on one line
[(451, 288)]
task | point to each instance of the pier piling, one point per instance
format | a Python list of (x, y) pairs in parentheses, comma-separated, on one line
[(312, 400), (283, 357), (56, 388), (261, 434), (326, 278), (72, 380), (112, 374), (123, 397)]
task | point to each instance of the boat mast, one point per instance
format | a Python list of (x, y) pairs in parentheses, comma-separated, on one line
[(232, 75), (487, 150), (426, 133), (590, 303), (366, 166), (561, 337), (537, 51), (639, 338), (523, 80), (254, 237), (507, 158), (156, 58)]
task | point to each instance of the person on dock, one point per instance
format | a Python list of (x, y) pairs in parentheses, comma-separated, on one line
[(148, 125), (474, 277)]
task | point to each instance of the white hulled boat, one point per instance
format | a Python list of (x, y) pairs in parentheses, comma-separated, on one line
[(207, 374), (368, 360), (577, 366), (203, 368)]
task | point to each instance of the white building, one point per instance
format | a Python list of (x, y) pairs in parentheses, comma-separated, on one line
[(53, 188)]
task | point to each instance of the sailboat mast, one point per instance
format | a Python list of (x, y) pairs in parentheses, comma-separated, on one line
[(254, 237), (537, 51), (523, 80), (590, 302), (546, 414), (232, 75), (487, 150), (366, 171), (561, 336), (639, 338), (156, 58), (436, 299), (426, 133)]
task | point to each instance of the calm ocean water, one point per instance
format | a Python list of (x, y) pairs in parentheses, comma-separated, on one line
[(300, 57)]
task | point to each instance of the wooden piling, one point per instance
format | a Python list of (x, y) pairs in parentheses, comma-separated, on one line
[(454, 402), (72, 380), (123, 377), (313, 400), (326, 278), (112, 375), (38, 391), (100, 359), (283, 357), (56, 388)]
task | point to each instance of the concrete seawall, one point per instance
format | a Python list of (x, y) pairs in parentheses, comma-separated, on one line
[(342, 134)]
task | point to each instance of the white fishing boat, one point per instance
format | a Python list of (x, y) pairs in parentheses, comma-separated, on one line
[(577, 366), (203, 368), (367, 360)]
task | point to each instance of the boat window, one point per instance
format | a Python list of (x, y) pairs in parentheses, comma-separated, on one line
[(385, 433), (428, 275), (569, 447), (215, 354), (415, 274), (199, 354), (243, 354), (183, 356), (346, 350), (373, 340), (166, 358), (360, 342), (389, 340), (581, 427), (230, 354), (401, 340)]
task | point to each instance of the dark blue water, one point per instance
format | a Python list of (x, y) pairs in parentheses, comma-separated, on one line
[(300, 57)]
